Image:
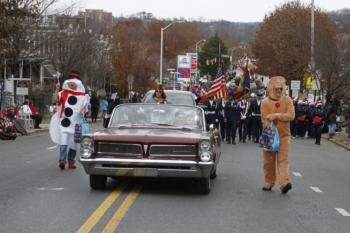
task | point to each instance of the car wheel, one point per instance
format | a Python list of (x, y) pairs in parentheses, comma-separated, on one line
[(98, 182), (203, 185), (213, 174)]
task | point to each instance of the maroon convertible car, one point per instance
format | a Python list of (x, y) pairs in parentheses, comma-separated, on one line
[(153, 140)]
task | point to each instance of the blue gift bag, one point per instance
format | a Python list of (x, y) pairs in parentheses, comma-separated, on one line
[(276, 138), (85, 128), (269, 139)]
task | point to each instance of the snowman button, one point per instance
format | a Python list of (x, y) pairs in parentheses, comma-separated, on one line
[(65, 122), (68, 112), (72, 100)]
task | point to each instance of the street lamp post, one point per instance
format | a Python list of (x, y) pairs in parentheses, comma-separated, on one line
[(174, 73), (312, 55), (161, 51), (312, 59)]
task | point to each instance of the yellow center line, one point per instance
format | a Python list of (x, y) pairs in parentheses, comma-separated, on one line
[(101, 210), (122, 210)]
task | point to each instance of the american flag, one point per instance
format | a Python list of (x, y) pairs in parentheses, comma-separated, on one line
[(218, 87)]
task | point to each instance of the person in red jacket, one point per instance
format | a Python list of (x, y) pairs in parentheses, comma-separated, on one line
[(35, 116)]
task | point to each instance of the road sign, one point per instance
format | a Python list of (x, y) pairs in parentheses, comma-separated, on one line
[(295, 85), (295, 93), (22, 88), (9, 86)]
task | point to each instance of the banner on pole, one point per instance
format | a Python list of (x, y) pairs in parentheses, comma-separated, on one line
[(194, 62), (183, 62), (184, 73)]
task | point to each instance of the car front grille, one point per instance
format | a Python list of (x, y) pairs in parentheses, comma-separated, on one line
[(119, 148), (173, 150)]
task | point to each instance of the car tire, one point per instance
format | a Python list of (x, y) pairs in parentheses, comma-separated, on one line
[(203, 185), (213, 174), (98, 182)]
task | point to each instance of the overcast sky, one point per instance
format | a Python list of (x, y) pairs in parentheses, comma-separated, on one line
[(231, 10)]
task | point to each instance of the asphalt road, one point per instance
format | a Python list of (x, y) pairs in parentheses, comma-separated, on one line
[(35, 196)]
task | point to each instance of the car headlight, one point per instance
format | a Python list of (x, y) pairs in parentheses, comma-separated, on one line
[(205, 146), (86, 147), (205, 156), (204, 151)]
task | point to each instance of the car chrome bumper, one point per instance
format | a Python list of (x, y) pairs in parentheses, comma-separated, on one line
[(146, 167)]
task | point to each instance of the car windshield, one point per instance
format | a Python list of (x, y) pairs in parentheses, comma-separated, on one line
[(173, 98), (162, 115)]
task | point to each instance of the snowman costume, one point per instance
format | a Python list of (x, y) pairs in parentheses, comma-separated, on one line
[(62, 124)]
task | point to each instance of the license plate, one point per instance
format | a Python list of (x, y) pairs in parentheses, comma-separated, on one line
[(151, 172)]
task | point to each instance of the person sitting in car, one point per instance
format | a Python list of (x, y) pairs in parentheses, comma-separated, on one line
[(159, 96)]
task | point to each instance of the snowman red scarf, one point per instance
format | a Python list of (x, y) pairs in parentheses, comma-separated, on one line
[(64, 96)]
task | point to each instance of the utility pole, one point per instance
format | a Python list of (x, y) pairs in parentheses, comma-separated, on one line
[(312, 59), (219, 55), (161, 52)]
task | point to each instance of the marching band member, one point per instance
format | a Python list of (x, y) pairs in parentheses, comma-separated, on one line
[(243, 124)]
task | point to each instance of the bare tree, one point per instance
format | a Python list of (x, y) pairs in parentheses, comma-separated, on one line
[(282, 45), (18, 18)]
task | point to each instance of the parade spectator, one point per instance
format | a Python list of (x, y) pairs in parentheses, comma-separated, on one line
[(104, 107), (280, 109), (35, 116), (135, 98), (25, 109), (12, 114), (112, 103), (95, 105), (347, 123), (332, 124), (6, 129)]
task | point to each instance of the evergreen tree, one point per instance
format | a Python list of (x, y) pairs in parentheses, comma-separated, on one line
[(211, 55)]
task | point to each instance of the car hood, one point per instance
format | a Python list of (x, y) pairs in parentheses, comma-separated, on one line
[(149, 136)]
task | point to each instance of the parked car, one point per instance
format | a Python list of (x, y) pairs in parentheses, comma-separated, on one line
[(152, 140), (173, 97)]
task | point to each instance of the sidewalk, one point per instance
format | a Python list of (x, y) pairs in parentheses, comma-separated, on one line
[(43, 127), (339, 139)]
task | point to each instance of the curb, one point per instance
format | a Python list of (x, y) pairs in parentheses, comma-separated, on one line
[(37, 131), (336, 143)]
